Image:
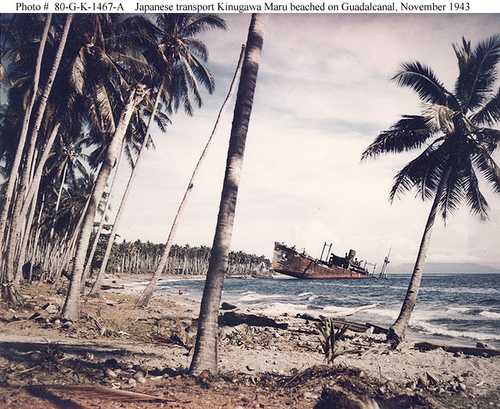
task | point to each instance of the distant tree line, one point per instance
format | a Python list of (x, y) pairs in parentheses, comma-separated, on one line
[(144, 257)]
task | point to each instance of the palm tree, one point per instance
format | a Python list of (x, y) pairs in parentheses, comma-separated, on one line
[(147, 293), (180, 60), (71, 308), (459, 141), (8, 292), (25, 182), (68, 162), (205, 352)]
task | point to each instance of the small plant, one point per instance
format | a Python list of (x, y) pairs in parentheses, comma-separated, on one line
[(329, 337)]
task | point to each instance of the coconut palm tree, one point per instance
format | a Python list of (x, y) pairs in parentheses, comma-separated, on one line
[(25, 182), (180, 59), (9, 293), (455, 130), (205, 352), (71, 308)]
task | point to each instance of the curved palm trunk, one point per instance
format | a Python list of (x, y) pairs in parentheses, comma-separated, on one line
[(71, 308), (205, 351), (397, 331), (6, 278), (146, 295), (100, 276)]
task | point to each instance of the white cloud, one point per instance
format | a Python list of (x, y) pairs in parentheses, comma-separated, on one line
[(323, 94)]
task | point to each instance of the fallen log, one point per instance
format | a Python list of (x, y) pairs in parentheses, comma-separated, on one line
[(112, 287), (351, 325), (484, 352), (232, 319)]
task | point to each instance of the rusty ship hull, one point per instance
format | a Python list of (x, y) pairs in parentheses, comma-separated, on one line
[(289, 262)]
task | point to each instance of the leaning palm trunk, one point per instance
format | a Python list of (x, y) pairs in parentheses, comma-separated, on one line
[(397, 331), (146, 295), (100, 275), (205, 351), (71, 308), (58, 201), (6, 275), (23, 187), (88, 264)]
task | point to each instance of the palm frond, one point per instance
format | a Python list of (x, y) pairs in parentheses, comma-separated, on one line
[(423, 173), (477, 71), (453, 192), (487, 167), (489, 113), (410, 132), (203, 22), (475, 199), (425, 83)]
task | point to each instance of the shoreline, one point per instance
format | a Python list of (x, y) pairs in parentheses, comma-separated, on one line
[(160, 338), (134, 283)]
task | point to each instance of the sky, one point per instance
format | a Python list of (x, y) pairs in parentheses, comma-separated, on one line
[(323, 94)]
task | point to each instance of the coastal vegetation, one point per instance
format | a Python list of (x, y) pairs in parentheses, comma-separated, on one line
[(92, 86), (457, 133)]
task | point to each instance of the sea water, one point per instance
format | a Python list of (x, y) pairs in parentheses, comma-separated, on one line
[(464, 308)]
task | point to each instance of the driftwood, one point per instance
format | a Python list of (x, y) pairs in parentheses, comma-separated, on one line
[(232, 319), (112, 287), (98, 392), (485, 352), (351, 325)]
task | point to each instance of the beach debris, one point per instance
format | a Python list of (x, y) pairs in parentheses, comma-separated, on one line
[(329, 337), (458, 350), (50, 308), (337, 397), (227, 306), (112, 287), (232, 318), (109, 373), (482, 345), (100, 392), (140, 377)]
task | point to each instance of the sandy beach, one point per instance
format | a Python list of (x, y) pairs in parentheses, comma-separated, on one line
[(157, 343)]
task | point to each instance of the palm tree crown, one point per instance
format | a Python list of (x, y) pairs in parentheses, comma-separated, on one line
[(455, 128)]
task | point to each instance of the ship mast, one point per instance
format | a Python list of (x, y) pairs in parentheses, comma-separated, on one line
[(383, 270)]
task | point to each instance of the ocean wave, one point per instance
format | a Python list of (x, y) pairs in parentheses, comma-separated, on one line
[(431, 329), (459, 310), (490, 314), (252, 296), (345, 311), (461, 290)]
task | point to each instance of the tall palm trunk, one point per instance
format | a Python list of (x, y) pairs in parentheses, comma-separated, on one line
[(24, 183), (397, 331), (88, 264), (146, 295), (71, 309), (58, 201), (205, 351), (13, 175), (100, 276), (18, 237)]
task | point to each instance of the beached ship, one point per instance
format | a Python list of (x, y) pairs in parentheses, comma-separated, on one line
[(288, 261)]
